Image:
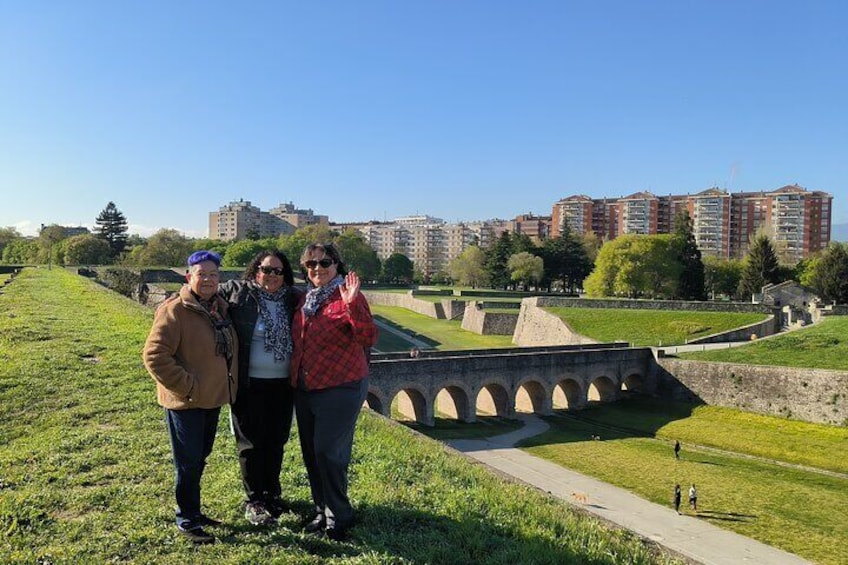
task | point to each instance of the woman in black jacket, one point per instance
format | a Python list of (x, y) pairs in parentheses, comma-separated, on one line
[(261, 308)]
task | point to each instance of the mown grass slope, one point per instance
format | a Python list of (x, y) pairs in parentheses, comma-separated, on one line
[(439, 334), (86, 477), (650, 327)]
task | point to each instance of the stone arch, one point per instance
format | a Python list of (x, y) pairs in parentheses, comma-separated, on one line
[(454, 401), (493, 398), (633, 383), (411, 403), (602, 389), (375, 402), (568, 394), (532, 396)]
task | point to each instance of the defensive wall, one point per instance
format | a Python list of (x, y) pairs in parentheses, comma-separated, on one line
[(459, 383), (476, 319), (811, 395)]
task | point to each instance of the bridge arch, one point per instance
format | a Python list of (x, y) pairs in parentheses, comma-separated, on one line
[(412, 403), (634, 382), (454, 400), (568, 394), (532, 396), (375, 401), (602, 389), (493, 398)]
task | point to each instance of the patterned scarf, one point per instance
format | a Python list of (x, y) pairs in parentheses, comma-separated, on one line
[(223, 338), (316, 296), (277, 330)]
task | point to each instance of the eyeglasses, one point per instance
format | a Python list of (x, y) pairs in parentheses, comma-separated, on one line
[(326, 262), (271, 270)]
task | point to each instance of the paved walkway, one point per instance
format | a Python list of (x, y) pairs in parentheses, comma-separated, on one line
[(691, 537)]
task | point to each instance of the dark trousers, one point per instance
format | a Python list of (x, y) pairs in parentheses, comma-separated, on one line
[(262, 418), (192, 434), (326, 420)]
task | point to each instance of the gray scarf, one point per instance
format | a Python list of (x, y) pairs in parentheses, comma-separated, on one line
[(316, 296), (277, 329)]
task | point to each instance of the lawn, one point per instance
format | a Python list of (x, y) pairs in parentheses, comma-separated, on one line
[(86, 477), (440, 334), (821, 346), (650, 327), (787, 507)]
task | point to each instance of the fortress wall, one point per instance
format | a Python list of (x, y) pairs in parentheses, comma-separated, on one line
[(770, 326), (537, 327), (812, 395), (479, 321), (431, 309), (639, 304)]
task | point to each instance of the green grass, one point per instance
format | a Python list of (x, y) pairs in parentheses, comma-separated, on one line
[(783, 506), (440, 334), (820, 346), (86, 477), (650, 327)]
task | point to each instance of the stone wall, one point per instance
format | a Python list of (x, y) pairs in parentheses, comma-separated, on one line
[(812, 395), (537, 327), (477, 320), (770, 326), (425, 307)]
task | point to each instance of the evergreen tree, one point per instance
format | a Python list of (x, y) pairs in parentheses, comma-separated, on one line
[(566, 260), (830, 274), (690, 286), (112, 226), (761, 266), (497, 256)]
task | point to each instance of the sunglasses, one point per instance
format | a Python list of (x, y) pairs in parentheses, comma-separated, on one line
[(326, 262), (271, 270)]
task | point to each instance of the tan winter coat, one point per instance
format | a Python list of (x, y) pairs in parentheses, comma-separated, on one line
[(180, 355)]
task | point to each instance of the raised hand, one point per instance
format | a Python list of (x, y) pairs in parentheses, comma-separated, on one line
[(350, 288)]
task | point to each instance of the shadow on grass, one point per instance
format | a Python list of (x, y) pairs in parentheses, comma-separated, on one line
[(429, 341), (450, 428), (725, 516)]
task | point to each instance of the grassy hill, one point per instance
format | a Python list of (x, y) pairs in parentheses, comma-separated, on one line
[(86, 477), (820, 346), (650, 327)]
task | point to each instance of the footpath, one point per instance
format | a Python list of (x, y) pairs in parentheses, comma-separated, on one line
[(694, 539)]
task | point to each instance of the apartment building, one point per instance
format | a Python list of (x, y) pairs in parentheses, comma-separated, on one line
[(240, 219), (798, 220)]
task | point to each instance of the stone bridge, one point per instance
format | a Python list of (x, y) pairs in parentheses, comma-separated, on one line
[(461, 384)]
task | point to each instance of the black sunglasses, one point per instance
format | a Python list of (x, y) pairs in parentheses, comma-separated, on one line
[(271, 270), (326, 262)]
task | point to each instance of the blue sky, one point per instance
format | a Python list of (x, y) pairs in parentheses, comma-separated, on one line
[(460, 109)]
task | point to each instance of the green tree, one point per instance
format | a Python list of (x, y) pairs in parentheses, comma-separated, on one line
[(565, 260), (761, 266), (112, 227), (7, 236), (830, 275), (469, 267), (690, 286), (166, 248), (241, 252), (22, 251), (49, 238), (398, 269), (497, 255), (722, 276), (294, 244), (358, 255), (525, 268), (635, 266), (86, 249)]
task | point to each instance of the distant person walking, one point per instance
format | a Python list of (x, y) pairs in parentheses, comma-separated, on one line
[(693, 498), (676, 449), (677, 496)]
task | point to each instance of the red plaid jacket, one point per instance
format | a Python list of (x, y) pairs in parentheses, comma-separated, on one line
[(329, 348)]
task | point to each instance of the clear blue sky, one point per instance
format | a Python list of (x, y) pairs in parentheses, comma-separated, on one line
[(368, 109)]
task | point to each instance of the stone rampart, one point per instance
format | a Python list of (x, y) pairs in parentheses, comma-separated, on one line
[(477, 320), (769, 326), (454, 309), (640, 304), (812, 395), (537, 327), (425, 307)]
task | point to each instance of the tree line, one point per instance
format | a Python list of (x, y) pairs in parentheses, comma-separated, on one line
[(666, 266)]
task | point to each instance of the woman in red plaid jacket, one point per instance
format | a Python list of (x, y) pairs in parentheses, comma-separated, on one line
[(332, 332)]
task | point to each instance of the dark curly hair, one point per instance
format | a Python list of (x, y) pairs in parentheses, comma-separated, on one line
[(253, 266), (329, 250)]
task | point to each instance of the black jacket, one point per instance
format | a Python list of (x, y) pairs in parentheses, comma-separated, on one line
[(243, 303)]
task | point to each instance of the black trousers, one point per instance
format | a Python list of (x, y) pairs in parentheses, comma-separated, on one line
[(262, 418), (326, 420)]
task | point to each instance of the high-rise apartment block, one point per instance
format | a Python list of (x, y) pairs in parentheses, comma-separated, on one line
[(797, 219), (240, 219)]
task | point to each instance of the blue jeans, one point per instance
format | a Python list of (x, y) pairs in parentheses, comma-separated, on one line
[(192, 434)]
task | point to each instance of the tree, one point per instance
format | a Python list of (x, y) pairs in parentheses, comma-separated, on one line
[(469, 267), (48, 242), (690, 286), (165, 248), (525, 268), (830, 274), (241, 252), (7, 236), (398, 269), (566, 260), (722, 276), (497, 256), (635, 266), (294, 244), (760, 267), (358, 255), (112, 226), (86, 249), (21, 252)]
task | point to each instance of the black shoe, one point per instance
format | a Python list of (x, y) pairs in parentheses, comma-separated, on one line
[(205, 520), (317, 525), (337, 533), (276, 506), (197, 535)]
